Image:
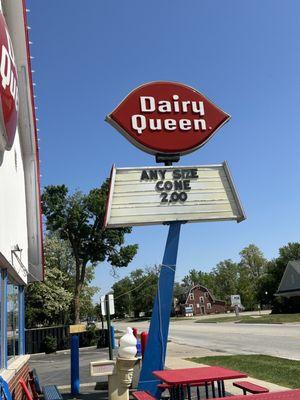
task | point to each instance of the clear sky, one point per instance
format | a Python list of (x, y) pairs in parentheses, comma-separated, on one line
[(243, 55)]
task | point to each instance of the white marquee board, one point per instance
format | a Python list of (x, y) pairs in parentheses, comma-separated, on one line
[(157, 195)]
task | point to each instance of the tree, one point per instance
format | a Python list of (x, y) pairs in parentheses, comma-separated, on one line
[(123, 297), (197, 277), (253, 258), (226, 275), (145, 284), (78, 219), (136, 292), (48, 302)]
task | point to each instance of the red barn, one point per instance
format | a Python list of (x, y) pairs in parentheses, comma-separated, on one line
[(203, 302)]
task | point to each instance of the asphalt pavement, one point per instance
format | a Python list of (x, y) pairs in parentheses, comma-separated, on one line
[(54, 369), (269, 339)]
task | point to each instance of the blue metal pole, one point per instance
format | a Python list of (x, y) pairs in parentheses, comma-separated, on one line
[(112, 334), (3, 318), (154, 357), (75, 382), (21, 321)]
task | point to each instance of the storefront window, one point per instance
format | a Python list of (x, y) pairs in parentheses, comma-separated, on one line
[(12, 320)]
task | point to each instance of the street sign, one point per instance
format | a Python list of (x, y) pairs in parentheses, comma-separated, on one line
[(9, 94), (157, 195), (111, 304), (235, 300), (167, 118)]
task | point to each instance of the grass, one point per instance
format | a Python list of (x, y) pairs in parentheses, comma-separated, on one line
[(257, 319), (280, 371)]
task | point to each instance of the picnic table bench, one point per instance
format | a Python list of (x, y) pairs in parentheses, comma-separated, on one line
[(250, 387), (283, 395)]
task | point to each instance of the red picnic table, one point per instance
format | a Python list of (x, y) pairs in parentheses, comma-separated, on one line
[(284, 395), (187, 377)]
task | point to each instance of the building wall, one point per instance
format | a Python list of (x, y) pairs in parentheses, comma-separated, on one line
[(20, 217), (203, 308), (14, 386), (13, 225)]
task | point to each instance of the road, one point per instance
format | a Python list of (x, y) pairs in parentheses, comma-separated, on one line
[(275, 340)]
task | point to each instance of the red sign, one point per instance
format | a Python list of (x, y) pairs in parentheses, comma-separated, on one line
[(167, 118), (9, 94)]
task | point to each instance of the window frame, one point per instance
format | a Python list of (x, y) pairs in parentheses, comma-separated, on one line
[(19, 349)]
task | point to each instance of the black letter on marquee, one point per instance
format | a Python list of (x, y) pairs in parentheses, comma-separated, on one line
[(153, 174), (178, 185), (144, 176), (162, 173), (158, 186), (186, 185), (194, 173), (176, 174)]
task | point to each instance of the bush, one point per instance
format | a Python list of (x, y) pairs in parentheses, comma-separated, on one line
[(90, 337), (49, 344)]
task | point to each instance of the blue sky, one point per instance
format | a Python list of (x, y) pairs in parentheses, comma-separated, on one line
[(244, 55)]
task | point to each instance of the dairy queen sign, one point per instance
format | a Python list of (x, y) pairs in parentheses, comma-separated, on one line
[(168, 120), (167, 117), (9, 93)]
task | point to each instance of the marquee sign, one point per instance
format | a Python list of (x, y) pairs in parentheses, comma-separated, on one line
[(167, 118), (156, 195), (9, 94)]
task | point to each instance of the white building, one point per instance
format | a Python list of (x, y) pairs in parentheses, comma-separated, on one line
[(20, 213)]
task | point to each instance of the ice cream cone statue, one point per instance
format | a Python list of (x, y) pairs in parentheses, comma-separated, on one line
[(120, 382)]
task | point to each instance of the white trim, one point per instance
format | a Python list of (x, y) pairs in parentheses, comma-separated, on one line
[(14, 366)]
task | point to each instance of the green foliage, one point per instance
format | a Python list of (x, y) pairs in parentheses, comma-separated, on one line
[(253, 277), (50, 302), (90, 337), (135, 293), (78, 219), (49, 344), (229, 277), (253, 259)]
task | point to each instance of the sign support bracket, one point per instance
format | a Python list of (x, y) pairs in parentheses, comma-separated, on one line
[(155, 353)]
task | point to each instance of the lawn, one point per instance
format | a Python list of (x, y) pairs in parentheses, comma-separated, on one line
[(280, 371), (257, 319)]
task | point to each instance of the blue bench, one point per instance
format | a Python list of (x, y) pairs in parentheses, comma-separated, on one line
[(51, 392)]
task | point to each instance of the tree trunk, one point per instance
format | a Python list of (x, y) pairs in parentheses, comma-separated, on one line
[(79, 281), (77, 293)]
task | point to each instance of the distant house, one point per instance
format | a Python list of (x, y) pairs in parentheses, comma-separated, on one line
[(201, 301), (290, 282)]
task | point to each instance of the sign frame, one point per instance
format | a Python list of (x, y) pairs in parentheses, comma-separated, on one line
[(229, 179)]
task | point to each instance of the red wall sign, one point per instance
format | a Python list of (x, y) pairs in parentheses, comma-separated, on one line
[(9, 94), (167, 118)]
